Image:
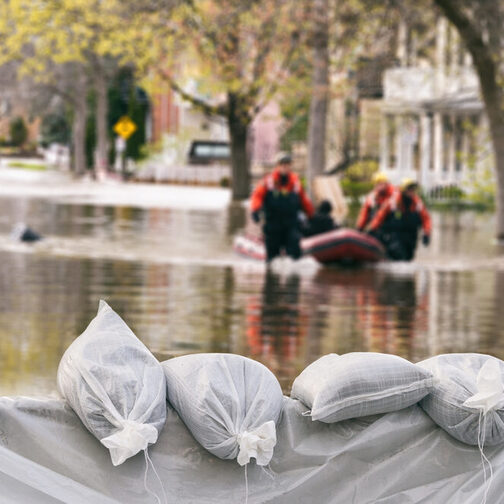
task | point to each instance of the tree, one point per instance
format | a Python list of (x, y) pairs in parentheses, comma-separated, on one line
[(126, 98), (295, 114), (320, 94), (54, 128), (479, 24), (342, 34), (67, 35), (18, 131), (240, 51), (35, 39)]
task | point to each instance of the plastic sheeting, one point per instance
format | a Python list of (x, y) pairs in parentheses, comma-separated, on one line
[(47, 456)]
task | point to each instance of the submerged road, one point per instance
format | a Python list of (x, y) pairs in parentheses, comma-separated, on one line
[(161, 256)]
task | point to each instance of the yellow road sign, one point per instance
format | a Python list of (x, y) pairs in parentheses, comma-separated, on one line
[(125, 127)]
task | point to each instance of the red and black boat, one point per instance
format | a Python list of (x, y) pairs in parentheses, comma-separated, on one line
[(342, 245)]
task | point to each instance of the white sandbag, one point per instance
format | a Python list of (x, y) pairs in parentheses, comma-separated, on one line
[(467, 400), (338, 387), (115, 385), (229, 403)]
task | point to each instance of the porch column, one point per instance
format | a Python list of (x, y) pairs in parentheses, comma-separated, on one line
[(438, 148), (464, 155), (399, 121), (409, 139), (384, 150), (425, 150), (451, 151)]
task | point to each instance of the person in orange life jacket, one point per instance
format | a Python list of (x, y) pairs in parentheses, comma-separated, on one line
[(381, 192), (399, 220), (321, 222), (280, 196)]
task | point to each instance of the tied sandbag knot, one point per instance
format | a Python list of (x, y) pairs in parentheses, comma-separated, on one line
[(258, 443), (490, 396), (129, 440), (490, 392)]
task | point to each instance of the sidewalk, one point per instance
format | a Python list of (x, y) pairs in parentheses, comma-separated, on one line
[(61, 187)]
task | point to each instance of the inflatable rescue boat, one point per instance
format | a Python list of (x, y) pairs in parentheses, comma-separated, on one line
[(342, 245)]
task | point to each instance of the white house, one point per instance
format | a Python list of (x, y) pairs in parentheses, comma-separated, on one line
[(433, 127)]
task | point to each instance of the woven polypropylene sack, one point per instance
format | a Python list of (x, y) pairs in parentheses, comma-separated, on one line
[(229, 403), (115, 385), (456, 377), (338, 387)]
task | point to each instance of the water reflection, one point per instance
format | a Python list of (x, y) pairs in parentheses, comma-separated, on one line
[(212, 301), (276, 325)]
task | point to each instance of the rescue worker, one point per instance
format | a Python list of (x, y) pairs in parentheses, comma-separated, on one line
[(381, 192), (321, 222), (280, 196), (399, 220)]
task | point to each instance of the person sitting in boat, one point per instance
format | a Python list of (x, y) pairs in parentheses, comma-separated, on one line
[(321, 222), (280, 196), (381, 192), (399, 220)]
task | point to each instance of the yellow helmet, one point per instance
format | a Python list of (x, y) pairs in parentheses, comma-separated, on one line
[(379, 177), (408, 182)]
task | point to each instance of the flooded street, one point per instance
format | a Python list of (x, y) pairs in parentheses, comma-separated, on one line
[(172, 275)]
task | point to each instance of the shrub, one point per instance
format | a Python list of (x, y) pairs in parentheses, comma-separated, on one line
[(18, 131), (54, 129), (481, 188), (357, 178)]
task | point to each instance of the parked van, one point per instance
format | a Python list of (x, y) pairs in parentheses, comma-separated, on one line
[(209, 152)]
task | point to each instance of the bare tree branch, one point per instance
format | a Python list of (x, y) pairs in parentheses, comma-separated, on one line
[(470, 34), (207, 108)]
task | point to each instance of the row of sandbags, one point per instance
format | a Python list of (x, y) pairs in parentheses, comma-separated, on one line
[(231, 404)]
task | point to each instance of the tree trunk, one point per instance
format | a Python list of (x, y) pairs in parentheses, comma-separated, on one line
[(101, 158), (79, 131), (238, 124), (493, 98), (497, 132), (490, 77), (320, 96)]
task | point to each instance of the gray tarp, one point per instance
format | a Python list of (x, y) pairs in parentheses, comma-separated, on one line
[(47, 456)]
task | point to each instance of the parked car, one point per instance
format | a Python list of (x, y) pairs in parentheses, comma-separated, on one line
[(209, 152)]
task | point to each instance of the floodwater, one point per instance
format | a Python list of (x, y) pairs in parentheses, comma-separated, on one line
[(172, 276)]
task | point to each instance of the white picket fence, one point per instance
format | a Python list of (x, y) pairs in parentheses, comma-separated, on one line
[(188, 174)]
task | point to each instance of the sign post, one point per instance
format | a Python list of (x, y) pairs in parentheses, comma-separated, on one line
[(124, 127)]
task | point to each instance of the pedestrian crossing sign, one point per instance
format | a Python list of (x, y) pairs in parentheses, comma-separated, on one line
[(125, 127)]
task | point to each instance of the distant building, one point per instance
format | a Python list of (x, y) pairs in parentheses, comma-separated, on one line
[(176, 123), (354, 116), (265, 133), (434, 128)]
